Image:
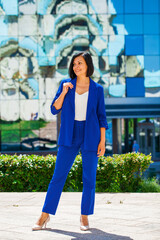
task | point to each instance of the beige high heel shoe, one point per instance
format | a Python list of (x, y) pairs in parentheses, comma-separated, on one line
[(37, 227), (82, 227)]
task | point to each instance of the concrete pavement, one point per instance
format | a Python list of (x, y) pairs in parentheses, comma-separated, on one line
[(118, 216)]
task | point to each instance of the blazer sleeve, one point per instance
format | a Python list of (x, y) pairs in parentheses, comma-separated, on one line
[(54, 111), (101, 109)]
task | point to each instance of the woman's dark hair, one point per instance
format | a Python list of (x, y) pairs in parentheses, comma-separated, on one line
[(88, 60)]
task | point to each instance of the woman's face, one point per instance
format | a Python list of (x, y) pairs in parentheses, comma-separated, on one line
[(80, 66)]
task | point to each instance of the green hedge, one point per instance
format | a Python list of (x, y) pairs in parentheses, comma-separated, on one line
[(119, 173)]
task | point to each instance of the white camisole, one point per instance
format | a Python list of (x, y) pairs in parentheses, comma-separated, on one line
[(81, 106)]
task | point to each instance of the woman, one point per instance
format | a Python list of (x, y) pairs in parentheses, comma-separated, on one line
[(83, 124)]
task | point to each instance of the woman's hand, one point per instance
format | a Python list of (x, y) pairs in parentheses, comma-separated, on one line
[(101, 148), (59, 101), (66, 87)]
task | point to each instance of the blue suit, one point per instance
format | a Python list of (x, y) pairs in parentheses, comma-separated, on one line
[(95, 118), (75, 135)]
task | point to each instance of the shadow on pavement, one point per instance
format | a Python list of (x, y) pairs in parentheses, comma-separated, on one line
[(92, 234)]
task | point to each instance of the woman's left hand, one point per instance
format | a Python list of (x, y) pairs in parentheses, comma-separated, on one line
[(101, 148)]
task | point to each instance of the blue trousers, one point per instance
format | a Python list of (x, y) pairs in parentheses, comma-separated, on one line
[(65, 158)]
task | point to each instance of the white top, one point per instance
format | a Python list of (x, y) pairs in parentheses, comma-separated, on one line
[(81, 106)]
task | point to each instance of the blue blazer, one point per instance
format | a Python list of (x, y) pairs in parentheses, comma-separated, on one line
[(95, 116)]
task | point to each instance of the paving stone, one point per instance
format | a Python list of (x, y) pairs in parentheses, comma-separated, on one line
[(118, 216)]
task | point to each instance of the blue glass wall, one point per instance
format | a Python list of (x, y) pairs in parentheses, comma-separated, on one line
[(37, 40)]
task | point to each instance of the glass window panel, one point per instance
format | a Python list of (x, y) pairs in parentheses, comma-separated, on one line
[(134, 66), (29, 140), (104, 63), (10, 141), (3, 26), (28, 67), (115, 6), (42, 6), (62, 7), (25, 125), (64, 44), (10, 136), (46, 46), (135, 87), (27, 7), (10, 51), (152, 45), (99, 7), (116, 65), (151, 24), (48, 137), (133, 6), (8, 26), (88, 24), (27, 25), (151, 6), (28, 46), (45, 29), (50, 87), (29, 109), (80, 7), (116, 86), (33, 124), (152, 82), (9, 67), (117, 25), (10, 110), (9, 89), (131, 21), (43, 62), (82, 26), (44, 110), (10, 125), (116, 45), (134, 45), (10, 7), (152, 91), (9, 78), (97, 43), (49, 134), (29, 88), (101, 24), (152, 65)]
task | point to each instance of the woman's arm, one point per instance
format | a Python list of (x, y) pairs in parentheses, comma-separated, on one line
[(59, 101), (101, 145)]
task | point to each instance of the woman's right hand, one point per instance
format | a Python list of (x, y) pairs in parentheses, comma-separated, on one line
[(66, 87)]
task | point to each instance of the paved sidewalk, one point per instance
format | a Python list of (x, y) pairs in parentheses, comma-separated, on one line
[(119, 216)]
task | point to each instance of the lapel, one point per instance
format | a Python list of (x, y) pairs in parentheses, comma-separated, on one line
[(91, 96)]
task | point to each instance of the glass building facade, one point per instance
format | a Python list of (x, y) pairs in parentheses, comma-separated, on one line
[(37, 41)]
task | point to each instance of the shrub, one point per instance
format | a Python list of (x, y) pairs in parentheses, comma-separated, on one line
[(119, 173), (149, 185)]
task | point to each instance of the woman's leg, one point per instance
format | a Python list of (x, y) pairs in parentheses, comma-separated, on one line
[(89, 161), (65, 159)]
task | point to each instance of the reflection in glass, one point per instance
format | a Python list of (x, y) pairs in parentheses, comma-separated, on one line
[(134, 66), (133, 6), (27, 25), (151, 6), (151, 24), (134, 45), (38, 39), (27, 6), (134, 20), (152, 45), (152, 66)]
